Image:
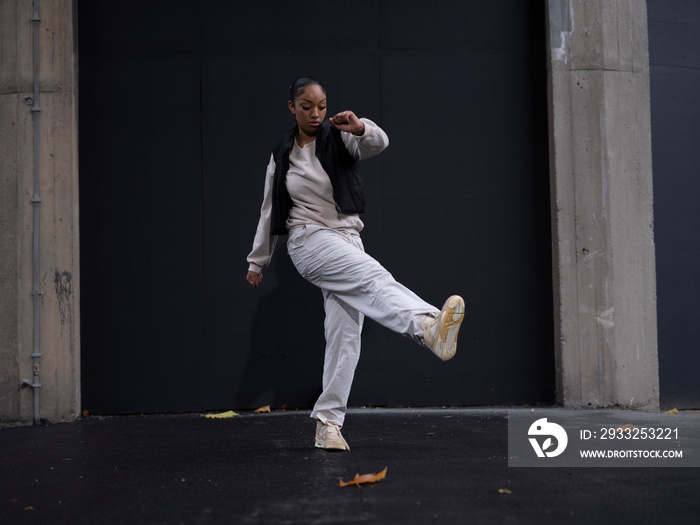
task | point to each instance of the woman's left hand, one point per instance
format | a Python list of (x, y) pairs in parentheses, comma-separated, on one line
[(348, 121)]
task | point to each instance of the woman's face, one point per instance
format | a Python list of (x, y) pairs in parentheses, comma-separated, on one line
[(309, 108)]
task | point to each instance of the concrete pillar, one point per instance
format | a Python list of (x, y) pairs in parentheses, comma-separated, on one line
[(59, 320), (602, 216)]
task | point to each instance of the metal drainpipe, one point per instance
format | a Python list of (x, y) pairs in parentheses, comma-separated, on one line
[(36, 355)]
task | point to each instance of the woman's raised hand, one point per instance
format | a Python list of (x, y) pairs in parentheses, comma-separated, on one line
[(254, 278), (348, 121)]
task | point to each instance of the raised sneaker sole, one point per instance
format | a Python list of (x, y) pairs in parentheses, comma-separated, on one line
[(449, 322)]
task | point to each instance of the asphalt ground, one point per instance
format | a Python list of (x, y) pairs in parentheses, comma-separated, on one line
[(447, 466)]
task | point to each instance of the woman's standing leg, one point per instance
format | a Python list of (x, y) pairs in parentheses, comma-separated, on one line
[(343, 330)]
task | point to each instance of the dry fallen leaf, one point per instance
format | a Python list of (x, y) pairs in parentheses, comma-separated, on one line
[(673, 411), (628, 427), (505, 491), (85, 413), (260, 410), (223, 415), (365, 478)]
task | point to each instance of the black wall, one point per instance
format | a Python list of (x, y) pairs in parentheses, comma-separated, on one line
[(180, 103), (674, 47)]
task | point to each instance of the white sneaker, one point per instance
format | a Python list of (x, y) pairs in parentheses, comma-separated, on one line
[(328, 436), (440, 333)]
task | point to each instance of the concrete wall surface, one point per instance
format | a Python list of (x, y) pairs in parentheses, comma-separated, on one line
[(56, 189), (602, 196)]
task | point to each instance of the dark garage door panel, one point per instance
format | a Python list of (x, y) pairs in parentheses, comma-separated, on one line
[(172, 179)]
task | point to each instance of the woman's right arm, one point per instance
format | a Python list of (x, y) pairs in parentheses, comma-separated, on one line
[(264, 243)]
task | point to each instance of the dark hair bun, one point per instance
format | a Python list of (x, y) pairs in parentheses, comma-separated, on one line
[(299, 85)]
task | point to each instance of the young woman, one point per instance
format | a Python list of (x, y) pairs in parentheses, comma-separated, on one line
[(314, 193)]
